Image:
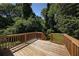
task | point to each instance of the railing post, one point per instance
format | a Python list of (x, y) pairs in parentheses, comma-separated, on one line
[(25, 37)]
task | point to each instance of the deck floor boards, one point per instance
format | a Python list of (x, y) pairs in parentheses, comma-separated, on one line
[(43, 48)]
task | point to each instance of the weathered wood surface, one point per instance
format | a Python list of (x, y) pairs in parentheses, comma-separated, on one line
[(42, 48)]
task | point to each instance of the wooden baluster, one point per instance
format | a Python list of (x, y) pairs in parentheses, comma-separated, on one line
[(3, 43), (25, 37), (71, 48), (74, 50), (7, 42), (21, 37), (17, 38), (13, 40), (77, 51)]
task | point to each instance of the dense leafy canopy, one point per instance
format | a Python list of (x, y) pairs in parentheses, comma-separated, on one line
[(19, 18)]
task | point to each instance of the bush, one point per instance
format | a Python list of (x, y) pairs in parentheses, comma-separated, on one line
[(76, 33), (48, 32)]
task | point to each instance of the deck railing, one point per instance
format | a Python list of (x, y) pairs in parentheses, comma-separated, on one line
[(10, 41), (71, 43)]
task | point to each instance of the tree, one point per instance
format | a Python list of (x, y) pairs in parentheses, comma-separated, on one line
[(17, 10), (27, 10), (53, 11), (6, 9), (4, 22), (11, 10), (44, 13)]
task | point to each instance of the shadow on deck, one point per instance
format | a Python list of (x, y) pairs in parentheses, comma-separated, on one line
[(6, 52)]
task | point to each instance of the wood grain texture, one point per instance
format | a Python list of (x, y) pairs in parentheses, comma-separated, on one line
[(43, 48)]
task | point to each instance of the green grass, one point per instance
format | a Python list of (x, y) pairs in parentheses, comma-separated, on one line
[(56, 37)]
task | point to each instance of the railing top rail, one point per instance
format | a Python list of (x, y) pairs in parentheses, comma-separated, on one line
[(1, 36), (73, 40)]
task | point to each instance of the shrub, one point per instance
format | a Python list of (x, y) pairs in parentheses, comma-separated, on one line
[(48, 32)]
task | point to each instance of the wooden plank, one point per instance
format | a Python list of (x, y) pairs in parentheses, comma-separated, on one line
[(42, 48)]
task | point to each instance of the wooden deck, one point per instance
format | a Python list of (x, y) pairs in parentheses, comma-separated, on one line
[(42, 48)]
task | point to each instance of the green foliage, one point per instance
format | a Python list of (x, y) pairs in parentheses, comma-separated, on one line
[(27, 10), (11, 10), (20, 24), (54, 9), (17, 10), (44, 12), (50, 31), (69, 25), (1, 32), (10, 30), (76, 33), (4, 22), (29, 25), (20, 18)]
